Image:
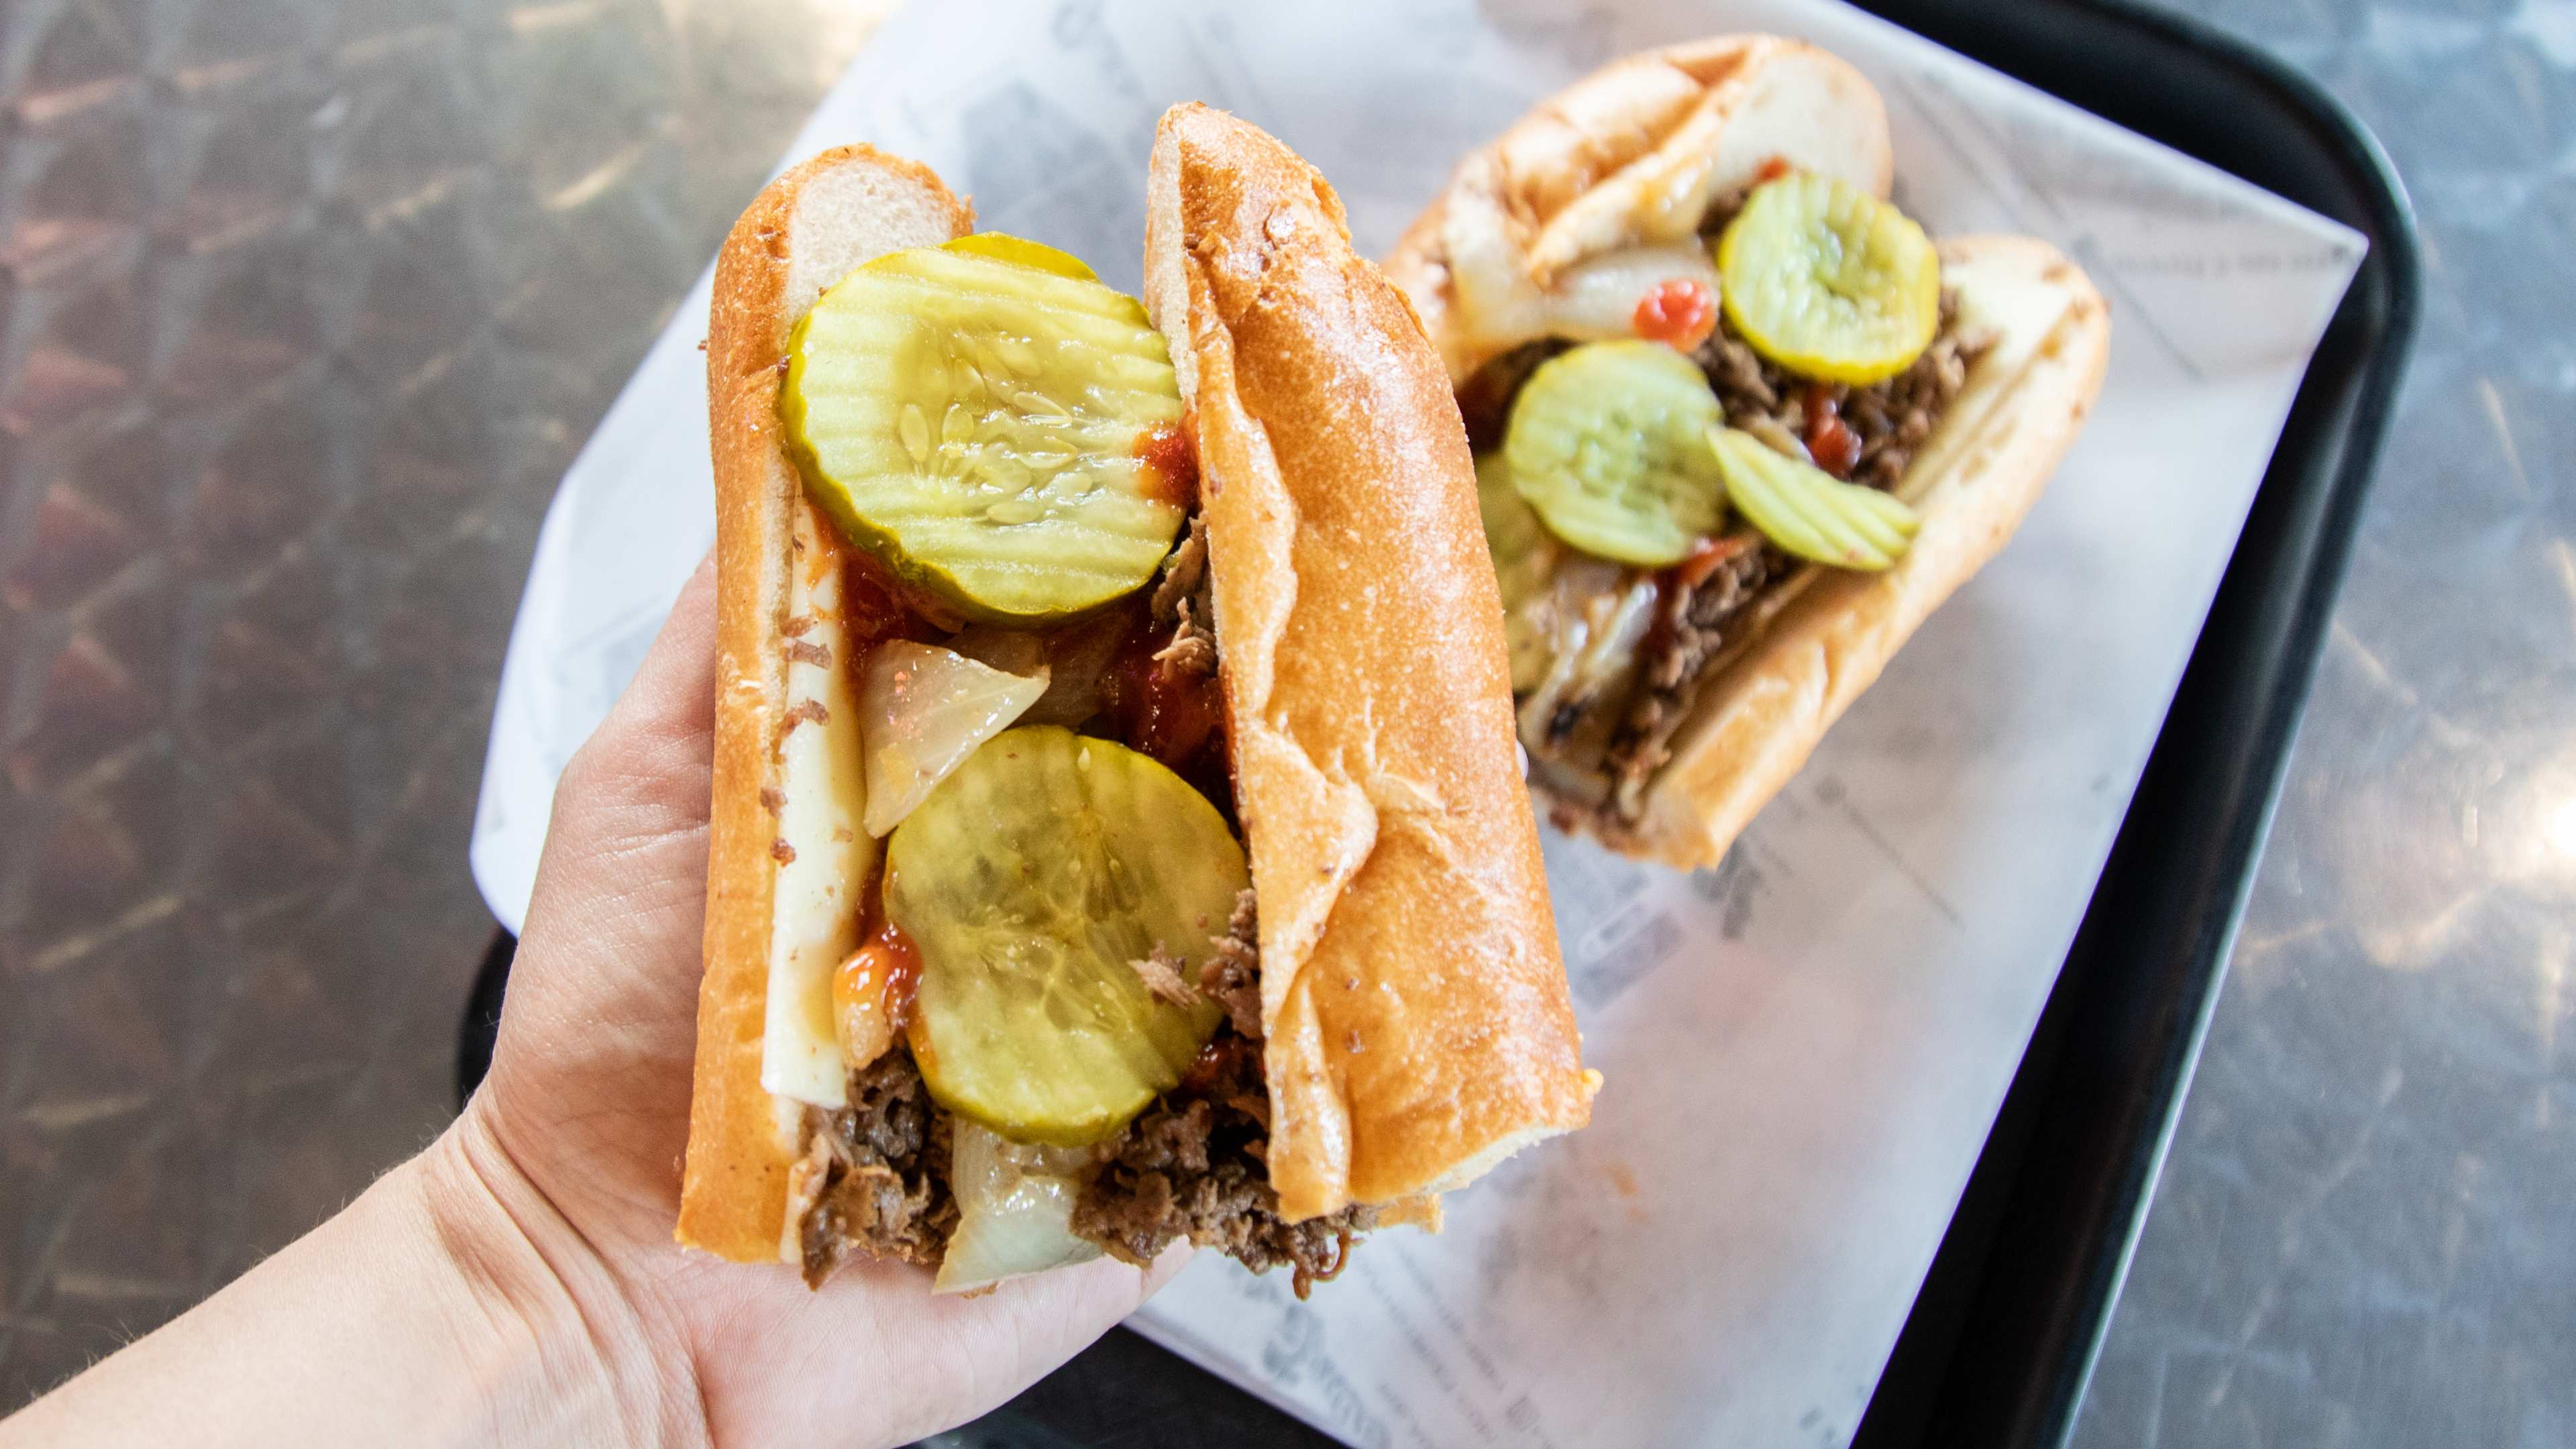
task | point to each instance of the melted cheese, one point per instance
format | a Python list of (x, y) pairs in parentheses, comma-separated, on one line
[(825, 856)]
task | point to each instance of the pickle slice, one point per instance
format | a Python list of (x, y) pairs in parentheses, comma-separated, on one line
[(1606, 443), (1006, 247), (1829, 281), (972, 418), (1524, 566), (1030, 880), (1809, 512)]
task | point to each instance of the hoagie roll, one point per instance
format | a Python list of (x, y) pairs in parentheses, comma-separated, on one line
[(1117, 832), (1741, 425)]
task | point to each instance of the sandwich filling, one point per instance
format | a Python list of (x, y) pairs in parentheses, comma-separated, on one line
[(1651, 502), (1025, 1028)]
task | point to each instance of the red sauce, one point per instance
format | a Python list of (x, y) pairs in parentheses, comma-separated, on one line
[(1166, 450), (1704, 558), (1673, 585), (1830, 440), (902, 973), (1170, 714), (874, 603), (1214, 1063), (886, 964), (1773, 169), (1679, 312)]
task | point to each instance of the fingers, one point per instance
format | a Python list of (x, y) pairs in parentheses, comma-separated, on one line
[(789, 1371), (649, 756), (602, 999), (640, 784), (1165, 1269)]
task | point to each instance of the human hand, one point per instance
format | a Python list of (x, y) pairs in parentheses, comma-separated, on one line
[(574, 1141), (517, 1282)]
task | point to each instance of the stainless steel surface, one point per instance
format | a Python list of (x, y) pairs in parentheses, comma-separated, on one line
[(2364, 1233), (303, 308)]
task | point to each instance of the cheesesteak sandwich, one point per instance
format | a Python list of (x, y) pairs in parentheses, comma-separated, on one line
[(1117, 834), (1741, 426)]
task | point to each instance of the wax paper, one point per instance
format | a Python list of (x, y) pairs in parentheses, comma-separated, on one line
[(1804, 1047)]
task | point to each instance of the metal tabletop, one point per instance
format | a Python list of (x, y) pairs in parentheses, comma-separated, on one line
[(305, 306)]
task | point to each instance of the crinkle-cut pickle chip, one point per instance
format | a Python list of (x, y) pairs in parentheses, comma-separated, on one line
[(1808, 511), (1009, 248), (972, 415), (1829, 281), (1525, 559), (1607, 443), (1030, 880)]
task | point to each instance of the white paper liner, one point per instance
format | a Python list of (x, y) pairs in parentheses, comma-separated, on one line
[(1805, 1047)]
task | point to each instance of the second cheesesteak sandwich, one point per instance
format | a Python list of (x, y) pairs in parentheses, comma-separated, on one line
[(1741, 424), (1117, 835)]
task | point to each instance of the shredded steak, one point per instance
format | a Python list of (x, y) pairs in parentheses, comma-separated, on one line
[(1891, 417), (1181, 604), (1867, 435), (1694, 624), (1162, 977), (1192, 1167), (875, 1178), (885, 1192), (1232, 976)]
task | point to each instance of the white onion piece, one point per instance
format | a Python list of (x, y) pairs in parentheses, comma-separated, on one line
[(922, 711), (1014, 1209), (1592, 301), (1597, 616)]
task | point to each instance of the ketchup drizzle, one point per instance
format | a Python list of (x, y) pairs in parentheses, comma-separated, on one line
[(1830, 440), (1679, 313), (1165, 448)]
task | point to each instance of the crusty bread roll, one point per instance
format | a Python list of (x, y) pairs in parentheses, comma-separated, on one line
[(807, 230), (1631, 155), (1415, 1006), (1417, 1020)]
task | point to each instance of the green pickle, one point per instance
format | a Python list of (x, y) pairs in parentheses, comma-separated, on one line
[(1809, 512), (1030, 880), (1606, 444), (972, 414), (1009, 248), (1525, 560), (1829, 281)]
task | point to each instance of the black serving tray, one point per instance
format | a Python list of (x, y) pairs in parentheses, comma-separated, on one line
[(2004, 1332)]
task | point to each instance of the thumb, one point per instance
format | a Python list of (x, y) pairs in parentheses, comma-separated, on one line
[(643, 775), (612, 936)]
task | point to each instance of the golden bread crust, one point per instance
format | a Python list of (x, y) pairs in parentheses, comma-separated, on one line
[(1754, 724), (1632, 154), (733, 1190), (1418, 1025)]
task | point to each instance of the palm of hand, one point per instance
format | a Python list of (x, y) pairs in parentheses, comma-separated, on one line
[(588, 1104)]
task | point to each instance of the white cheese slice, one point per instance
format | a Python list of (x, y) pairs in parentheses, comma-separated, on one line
[(825, 856)]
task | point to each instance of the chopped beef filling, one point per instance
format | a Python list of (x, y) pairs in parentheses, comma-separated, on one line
[(1485, 398), (875, 1177), (885, 1162), (1696, 620), (1707, 606), (1232, 977), (1890, 418), (1193, 1167), (1162, 976), (1181, 604)]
